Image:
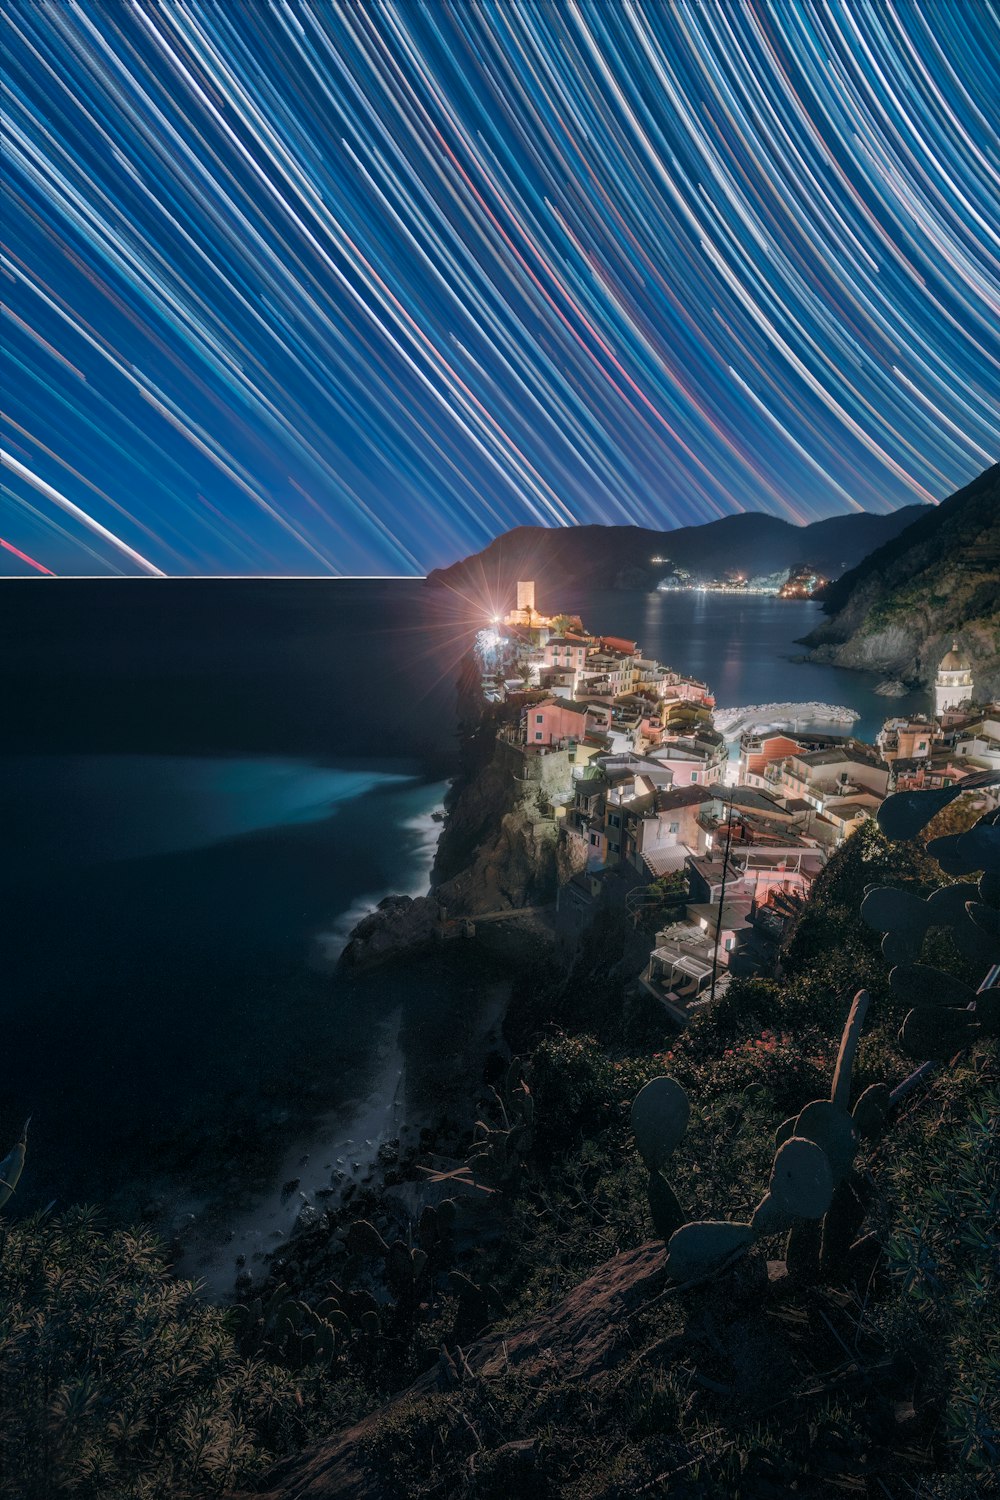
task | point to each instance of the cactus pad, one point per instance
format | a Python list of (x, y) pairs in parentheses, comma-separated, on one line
[(801, 1182), (769, 1217), (832, 1129), (700, 1248), (870, 1111), (938, 1032), (922, 985), (660, 1114), (364, 1239), (902, 815)]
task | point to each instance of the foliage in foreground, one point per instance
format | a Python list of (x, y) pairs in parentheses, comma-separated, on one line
[(118, 1383)]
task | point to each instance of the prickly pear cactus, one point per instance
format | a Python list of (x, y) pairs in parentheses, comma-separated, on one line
[(814, 1186), (832, 1129), (364, 1239), (871, 1111), (287, 1331), (801, 1184), (700, 1248), (660, 1113), (13, 1165), (945, 1017)]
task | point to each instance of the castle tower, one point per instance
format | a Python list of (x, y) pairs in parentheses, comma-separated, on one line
[(953, 683), (526, 598)]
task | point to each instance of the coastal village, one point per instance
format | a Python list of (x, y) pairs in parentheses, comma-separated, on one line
[(711, 824)]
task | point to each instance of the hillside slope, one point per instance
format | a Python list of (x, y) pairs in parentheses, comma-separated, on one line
[(899, 609), (621, 556)]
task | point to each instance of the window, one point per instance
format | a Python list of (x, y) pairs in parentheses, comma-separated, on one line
[(694, 775), (595, 838), (728, 945), (538, 734), (539, 718), (674, 828)]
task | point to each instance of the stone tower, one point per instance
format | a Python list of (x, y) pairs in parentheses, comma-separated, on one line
[(526, 598), (953, 683)]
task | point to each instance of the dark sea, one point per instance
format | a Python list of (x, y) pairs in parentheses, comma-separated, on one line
[(743, 647), (203, 785)]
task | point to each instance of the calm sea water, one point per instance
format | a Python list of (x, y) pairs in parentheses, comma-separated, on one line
[(202, 786), (743, 648)]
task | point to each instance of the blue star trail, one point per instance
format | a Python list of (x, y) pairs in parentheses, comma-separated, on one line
[(334, 288)]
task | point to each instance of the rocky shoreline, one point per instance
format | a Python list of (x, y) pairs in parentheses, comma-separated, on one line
[(398, 926), (494, 853)]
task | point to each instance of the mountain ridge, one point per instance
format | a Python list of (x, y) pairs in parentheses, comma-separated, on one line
[(898, 610), (621, 556)]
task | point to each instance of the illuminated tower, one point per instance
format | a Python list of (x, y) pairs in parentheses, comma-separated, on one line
[(953, 683), (526, 598)]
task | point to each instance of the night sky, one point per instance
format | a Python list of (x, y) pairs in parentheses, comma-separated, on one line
[(331, 288)]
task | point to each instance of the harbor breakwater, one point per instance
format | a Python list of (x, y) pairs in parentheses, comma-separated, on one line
[(733, 721)]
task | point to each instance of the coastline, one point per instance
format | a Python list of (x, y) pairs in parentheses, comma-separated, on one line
[(424, 1093)]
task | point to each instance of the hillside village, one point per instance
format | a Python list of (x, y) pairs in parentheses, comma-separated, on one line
[(652, 814)]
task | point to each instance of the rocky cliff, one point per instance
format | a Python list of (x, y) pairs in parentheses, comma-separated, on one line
[(499, 847), (899, 609), (497, 819)]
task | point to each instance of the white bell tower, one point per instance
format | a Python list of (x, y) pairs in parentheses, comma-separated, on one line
[(953, 684)]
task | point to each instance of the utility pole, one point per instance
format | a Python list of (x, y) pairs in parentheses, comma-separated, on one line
[(722, 895)]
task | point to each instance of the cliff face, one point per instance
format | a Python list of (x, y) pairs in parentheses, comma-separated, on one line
[(497, 851), (898, 611)]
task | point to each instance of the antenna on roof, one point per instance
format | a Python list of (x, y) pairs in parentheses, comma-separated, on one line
[(722, 894)]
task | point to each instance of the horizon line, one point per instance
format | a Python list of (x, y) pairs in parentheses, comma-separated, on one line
[(216, 577)]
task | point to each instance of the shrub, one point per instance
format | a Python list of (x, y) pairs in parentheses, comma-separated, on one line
[(571, 1079), (118, 1383)]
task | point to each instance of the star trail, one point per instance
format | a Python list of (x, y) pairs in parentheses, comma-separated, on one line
[(338, 288)]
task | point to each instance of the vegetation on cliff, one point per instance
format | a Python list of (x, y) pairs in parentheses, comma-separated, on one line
[(898, 610), (541, 1348)]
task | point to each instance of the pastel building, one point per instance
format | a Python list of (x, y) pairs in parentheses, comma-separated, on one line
[(977, 745), (834, 777), (555, 721), (759, 750), (907, 739)]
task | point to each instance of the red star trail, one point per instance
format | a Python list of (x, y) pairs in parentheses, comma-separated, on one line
[(299, 287)]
